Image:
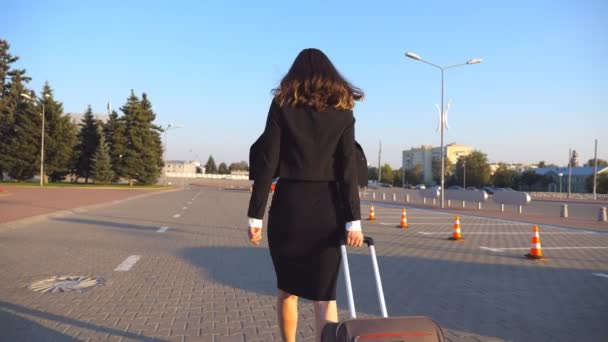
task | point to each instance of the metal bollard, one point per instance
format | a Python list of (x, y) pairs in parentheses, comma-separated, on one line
[(602, 216), (449, 203), (407, 198), (383, 196), (564, 211), (423, 200), (502, 207), (520, 209), (373, 195), (478, 205), (464, 204), (434, 200), (394, 197)]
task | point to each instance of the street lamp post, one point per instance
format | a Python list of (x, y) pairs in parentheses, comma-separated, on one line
[(29, 98), (169, 126), (560, 181), (442, 116)]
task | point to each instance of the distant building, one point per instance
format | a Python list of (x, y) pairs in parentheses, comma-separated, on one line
[(239, 173), (181, 168), (579, 177), (424, 156)]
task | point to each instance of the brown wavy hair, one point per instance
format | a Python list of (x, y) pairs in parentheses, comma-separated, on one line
[(313, 81)]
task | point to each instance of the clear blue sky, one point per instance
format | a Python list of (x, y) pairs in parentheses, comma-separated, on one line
[(210, 65)]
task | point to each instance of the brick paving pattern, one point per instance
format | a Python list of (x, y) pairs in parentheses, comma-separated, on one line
[(202, 281)]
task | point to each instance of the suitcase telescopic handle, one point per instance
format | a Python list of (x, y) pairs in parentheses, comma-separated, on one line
[(369, 241)]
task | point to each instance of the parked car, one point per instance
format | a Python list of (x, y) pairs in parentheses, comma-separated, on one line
[(408, 186), (455, 187), (503, 189), (420, 187), (472, 188), (386, 185), (488, 190)]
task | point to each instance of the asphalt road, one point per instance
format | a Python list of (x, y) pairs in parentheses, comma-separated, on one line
[(178, 266)]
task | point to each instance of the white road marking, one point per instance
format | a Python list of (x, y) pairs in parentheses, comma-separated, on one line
[(189, 202), (184, 208), (177, 215), (603, 275), (162, 229), (128, 263), (508, 233), (494, 249)]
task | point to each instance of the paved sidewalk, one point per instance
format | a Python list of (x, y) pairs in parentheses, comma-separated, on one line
[(18, 202)]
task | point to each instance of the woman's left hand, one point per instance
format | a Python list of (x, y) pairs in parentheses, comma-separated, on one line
[(255, 235)]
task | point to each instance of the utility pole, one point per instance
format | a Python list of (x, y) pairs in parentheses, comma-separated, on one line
[(569, 171), (595, 172), (379, 160), (464, 171)]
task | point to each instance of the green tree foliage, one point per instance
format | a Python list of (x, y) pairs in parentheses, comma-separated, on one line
[(23, 148), (414, 176), (115, 136), (223, 169), (142, 157), (504, 177), (600, 162), (477, 169), (88, 141), (372, 172), (436, 169), (386, 172), (602, 183), (210, 167), (574, 159), (60, 136), (16, 118), (530, 180), (240, 166), (398, 177), (101, 170), (542, 164)]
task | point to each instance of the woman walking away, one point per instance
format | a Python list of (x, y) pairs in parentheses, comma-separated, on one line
[(309, 143)]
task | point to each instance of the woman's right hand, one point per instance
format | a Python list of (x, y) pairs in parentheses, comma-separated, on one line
[(354, 238)]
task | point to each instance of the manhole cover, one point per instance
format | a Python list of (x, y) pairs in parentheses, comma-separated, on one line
[(65, 284)]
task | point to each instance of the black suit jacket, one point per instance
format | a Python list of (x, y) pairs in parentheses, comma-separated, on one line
[(303, 144)]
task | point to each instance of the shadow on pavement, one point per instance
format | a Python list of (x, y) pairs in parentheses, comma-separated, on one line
[(14, 327), (526, 302), (110, 224)]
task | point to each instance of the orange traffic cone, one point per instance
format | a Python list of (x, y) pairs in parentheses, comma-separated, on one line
[(456, 235), (536, 252), (372, 214), (403, 223)]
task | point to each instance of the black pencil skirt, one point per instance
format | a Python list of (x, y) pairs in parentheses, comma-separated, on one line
[(304, 228)]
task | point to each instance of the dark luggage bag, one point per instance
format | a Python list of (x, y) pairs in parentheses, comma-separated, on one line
[(386, 329)]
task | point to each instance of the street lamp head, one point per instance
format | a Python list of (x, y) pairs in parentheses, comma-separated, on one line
[(474, 61), (26, 96), (413, 56), (46, 96)]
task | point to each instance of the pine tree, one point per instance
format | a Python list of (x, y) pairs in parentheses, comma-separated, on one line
[(114, 133), (60, 137), (210, 167), (101, 170), (12, 84), (22, 151), (142, 159), (88, 140)]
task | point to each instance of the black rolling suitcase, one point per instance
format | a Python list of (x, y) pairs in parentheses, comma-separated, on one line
[(386, 329)]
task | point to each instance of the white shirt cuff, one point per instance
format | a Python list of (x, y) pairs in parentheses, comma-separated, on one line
[(353, 226), (255, 223)]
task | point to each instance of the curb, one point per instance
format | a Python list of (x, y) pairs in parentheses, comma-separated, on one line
[(6, 226)]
